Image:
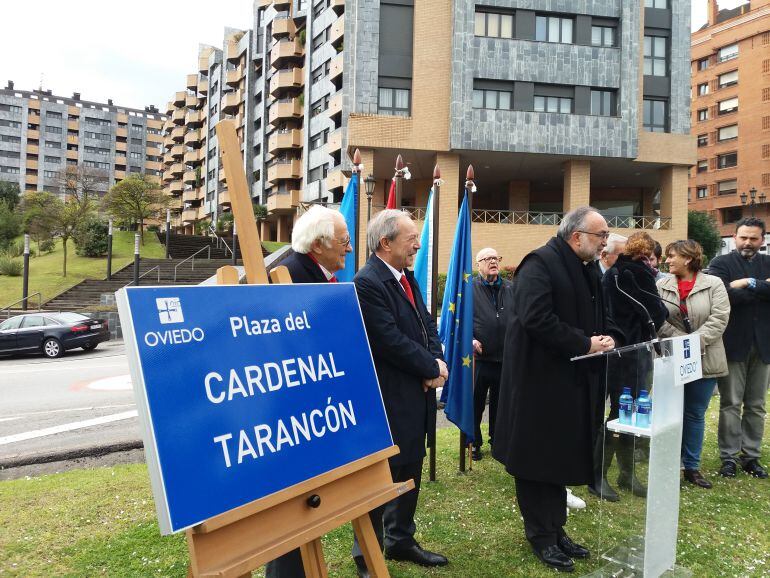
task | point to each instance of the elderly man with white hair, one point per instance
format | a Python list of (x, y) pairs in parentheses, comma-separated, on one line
[(492, 305), (616, 244)]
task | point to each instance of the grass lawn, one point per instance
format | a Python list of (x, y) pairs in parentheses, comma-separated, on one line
[(102, 522), (45, 271), (273, 246)]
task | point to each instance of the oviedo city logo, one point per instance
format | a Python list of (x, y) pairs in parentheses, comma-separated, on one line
[(685, 345), (170, 312)]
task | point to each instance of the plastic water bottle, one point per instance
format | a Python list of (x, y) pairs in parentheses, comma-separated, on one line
[(643, 409), (626, 407)]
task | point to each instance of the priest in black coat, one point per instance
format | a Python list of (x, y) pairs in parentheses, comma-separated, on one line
[(550, 407)]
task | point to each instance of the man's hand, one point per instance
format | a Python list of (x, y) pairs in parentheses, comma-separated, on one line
[(740, 283), (434, 383), (601, 343), (477, 346), (442, 369)]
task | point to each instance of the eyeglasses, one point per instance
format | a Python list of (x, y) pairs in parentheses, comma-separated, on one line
[(603, 235), (345, 242), (491, 260)]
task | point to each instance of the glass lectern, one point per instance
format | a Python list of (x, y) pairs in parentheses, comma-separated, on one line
[(642, 464)]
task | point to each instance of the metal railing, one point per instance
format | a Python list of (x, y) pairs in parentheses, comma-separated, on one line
[(639, 222), (220, 241), (7, 308), (516, 217), (145, 274), (208, 247)]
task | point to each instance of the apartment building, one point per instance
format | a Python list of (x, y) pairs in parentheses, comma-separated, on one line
[(41, 134), (555, 103), (731, 114)]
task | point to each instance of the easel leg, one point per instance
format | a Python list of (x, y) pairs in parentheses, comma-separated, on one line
[(313, 559), (370, 547)]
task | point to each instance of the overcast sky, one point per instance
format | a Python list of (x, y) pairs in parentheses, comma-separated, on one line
[(136, 53)]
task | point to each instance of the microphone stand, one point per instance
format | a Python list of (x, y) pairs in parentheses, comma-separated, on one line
[(685, 318), (650, 322)]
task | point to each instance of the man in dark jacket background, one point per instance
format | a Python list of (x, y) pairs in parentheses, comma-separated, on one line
[(410, 366), (550, 407), (492, 303), (746, 274)]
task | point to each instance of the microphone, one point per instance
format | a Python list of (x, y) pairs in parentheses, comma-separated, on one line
[(685, 318), (650, 322)]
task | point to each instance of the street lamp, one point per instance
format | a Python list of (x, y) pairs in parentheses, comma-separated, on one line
[(751, 199), (369, 183)]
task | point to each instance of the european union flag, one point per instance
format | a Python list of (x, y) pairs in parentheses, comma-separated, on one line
[(348, 211), (456, 328)]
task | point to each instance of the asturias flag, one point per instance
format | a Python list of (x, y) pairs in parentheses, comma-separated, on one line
[(423, 262), (348, 211), (456, 328)]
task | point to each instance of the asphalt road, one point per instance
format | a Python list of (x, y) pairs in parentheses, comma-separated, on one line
[(79, 401)]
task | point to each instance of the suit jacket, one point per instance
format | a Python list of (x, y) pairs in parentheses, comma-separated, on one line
[(303, 269), (490, 322), (750, 308), (405, 346)]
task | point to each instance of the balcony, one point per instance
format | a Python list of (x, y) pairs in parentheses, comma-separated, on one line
[(190, 195), (119, 175), (121, 147), (284, 27), (32, 149), (30, 179), (231, 101), (288, 169), (179, 98), (177, 170), (191, 101), (174, 204), (336, 66), (190, 214), (193, 157), (281, 4), (192, 81), (153, 166), (335, 142), (72, 125), (177, 152), (279, 141), (192, 137), (177, 117), (264, 3), (168, 159), (177, 135), (176, 187), (284, 50), (337, 32), (335, 180), (233, 77), (283, 202), (190, 177), (33, 134), (233, 51), (338, 6), (194, 118), (32, 165), (121, 132), (286, 79), (224, 198), (72, 155), (288, 108), (203, 86)]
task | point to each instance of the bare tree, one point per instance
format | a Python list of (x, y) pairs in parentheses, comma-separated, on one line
[(82, 184)]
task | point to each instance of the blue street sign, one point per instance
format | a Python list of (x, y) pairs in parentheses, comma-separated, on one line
[(246, 390)]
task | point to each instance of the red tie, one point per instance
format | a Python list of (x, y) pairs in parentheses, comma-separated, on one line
[(407, 289), (333, 279)]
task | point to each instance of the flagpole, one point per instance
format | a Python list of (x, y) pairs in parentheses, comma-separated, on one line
[(357, 175), (434, 296), (469, 188), (399, 176)]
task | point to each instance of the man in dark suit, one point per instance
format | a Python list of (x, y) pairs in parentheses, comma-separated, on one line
[(549, 409), (746, 274), (320, 241), (410, 365)]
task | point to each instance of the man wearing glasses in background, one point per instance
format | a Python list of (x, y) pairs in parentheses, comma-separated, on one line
[(492, 304)]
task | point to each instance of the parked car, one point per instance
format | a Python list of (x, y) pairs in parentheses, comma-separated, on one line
[(51, 333)]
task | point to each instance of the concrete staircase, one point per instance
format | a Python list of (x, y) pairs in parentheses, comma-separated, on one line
[(183, 246)]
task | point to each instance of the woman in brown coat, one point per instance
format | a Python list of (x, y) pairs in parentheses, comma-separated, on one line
[(704, 300)]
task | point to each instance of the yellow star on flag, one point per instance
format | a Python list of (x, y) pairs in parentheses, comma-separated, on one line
[(466, 276), (466, 361), (451, 307)]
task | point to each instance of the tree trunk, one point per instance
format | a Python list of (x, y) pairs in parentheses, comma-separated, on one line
[(141, 231), (64, 248)]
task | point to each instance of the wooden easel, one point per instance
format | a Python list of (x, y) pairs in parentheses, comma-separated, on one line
[(243, 539)]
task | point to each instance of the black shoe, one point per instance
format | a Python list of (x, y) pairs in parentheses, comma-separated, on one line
[(753, 468), (605, 492), (553, 557), (572, 549), (729, 469), (476, 454), (417, 555), (632, 484), (696, 479), (361, 569)]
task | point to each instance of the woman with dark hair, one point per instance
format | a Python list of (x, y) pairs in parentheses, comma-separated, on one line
[(703, 298), (624, 286)]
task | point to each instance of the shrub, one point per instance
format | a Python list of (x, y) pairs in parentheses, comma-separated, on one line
[(10, 266), (15, 249), (91, 238), (153, 228), (10, 224), (47, 245)]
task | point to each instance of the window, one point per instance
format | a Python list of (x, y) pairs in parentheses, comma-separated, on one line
[(320, 72), (97, 151), (97, 165), (137, 127), (703, 114), (703, 64), (493, 99), (702, 166), (53, 160), (320, 7), (320, 39), (727, 187), (153, 131), (50, 174), (319, 106), (553, 104), (655, 115), (727, 132), (153, 159), (133, 169), (701, 192), (9, 170), (97, 121), (602, 36), (728, 78), (136, 141), (52, 144), (12, 323), (655, 55), (662, 4), (10, 138), (727, 53), (53, 129), (317, 173), (12, 108), (318, 140), (703, 89), (553, 29), (393, 101), (52, 114), (494, 25), (703, 140), (727, 160), (603, 103), (134, 155), (728, 106), (10, 154), (97, 135), (731, 215), (10, 123)]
